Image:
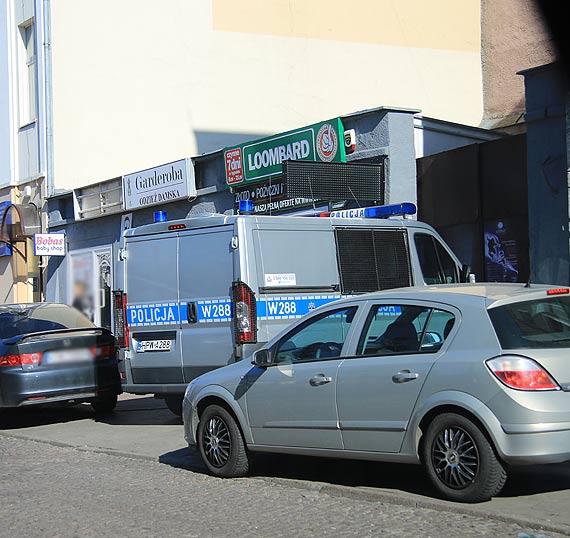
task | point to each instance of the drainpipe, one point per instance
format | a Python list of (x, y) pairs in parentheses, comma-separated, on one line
[(48, 97)]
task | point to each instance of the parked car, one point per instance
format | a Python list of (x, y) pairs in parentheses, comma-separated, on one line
[(52, 353), (465, 379)]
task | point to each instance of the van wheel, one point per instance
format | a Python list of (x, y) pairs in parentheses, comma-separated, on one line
[(221, 444), (174, 403), (104, 404), (460, 461)]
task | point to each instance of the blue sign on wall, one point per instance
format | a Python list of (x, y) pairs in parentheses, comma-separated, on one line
[(5, 248)]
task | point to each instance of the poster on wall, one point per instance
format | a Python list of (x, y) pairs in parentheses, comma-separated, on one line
[(501, 251)]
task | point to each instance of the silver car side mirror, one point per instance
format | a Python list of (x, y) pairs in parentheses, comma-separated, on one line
[(262, 358)]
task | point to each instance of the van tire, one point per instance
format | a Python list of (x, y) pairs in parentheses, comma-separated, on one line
[(460, 461), (174, 403), (221, 444)]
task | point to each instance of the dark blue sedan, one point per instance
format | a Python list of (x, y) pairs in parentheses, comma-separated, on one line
[(53, 353)]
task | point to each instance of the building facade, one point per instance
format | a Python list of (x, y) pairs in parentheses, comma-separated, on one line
[(91, 93)]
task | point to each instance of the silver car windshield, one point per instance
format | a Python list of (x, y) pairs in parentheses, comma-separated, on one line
[(541, 323)]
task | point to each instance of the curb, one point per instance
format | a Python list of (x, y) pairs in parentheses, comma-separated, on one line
[(359, 493)]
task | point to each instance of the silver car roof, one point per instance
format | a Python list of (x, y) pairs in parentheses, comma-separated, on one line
[(494, 294)]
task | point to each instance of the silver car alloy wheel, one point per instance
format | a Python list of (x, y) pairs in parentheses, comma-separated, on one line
[(216, 442), (455, 457)]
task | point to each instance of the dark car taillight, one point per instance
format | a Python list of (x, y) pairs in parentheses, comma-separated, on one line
[(104, 352), (244, 313), (25, 360)]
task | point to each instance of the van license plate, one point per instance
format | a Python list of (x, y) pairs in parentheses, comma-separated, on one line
[(154, 345)]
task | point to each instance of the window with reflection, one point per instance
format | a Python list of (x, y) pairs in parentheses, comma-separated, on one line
[(320, 338), (401, 329)]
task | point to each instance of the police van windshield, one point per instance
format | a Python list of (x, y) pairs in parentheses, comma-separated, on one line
[(542, 323)]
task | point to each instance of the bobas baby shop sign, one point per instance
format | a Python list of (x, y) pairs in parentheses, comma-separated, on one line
[(261, 160)]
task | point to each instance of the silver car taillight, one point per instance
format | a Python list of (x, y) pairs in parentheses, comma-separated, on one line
[(521, 373)]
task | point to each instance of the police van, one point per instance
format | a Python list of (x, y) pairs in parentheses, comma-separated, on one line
[(202, 292)]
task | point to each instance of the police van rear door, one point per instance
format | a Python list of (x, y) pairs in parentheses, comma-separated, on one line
[(206, 273), (153, 314)]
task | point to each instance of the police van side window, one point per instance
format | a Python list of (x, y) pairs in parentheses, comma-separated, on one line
[(372, 260), (437, 265)]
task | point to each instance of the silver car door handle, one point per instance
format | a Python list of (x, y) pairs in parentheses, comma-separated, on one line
[(404, 376), (320, 379)]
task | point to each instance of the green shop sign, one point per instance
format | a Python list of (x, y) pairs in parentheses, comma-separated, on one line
[(261, 160)]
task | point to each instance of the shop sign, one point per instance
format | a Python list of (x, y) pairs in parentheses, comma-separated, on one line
[(159, 185), (49, 244), (261, 160), (270, 197)]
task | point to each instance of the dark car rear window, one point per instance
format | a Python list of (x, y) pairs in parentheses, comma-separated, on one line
[(23, 319), (542, 323)]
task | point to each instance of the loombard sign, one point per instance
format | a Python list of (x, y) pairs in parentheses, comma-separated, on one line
[(165, 183), (261, 160)]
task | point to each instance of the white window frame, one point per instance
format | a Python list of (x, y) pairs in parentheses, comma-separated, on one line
[(27, 73)]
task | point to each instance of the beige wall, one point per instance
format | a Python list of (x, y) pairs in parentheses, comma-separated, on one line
[(514, 38), (133, 80)]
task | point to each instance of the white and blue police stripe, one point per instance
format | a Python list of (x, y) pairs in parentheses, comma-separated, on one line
[(219, 309)]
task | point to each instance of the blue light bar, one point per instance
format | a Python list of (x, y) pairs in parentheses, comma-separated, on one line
[(245, 206), (160, 216), (383, 211), (376, 212)]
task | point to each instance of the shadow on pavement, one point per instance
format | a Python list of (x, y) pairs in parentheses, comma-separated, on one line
[(28, 417), (142, 411), (537, 479), (522, 481), (134, 411)]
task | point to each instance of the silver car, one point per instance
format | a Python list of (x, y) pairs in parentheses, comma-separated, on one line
[(465, 379)]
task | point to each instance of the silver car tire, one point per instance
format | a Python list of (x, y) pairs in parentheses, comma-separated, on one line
[(221, 443), (460, 461)]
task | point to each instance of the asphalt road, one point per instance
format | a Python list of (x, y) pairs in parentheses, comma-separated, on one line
[(143, 432)]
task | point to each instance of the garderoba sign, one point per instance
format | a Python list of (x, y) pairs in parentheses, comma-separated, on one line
[(165, 183), (261, 159)]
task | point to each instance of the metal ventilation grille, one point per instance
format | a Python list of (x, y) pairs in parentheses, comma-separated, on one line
[(372, 260), (334, 181)]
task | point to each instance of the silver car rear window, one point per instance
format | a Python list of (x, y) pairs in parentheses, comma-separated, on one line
[(16, 320), (541, 323)]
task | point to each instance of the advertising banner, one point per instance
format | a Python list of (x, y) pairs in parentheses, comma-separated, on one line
[(261, 159)]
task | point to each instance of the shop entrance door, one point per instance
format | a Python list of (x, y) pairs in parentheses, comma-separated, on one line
[(91, 283)]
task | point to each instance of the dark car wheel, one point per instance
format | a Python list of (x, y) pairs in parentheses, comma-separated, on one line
[(104, 404), (174, 403), (460, 461), (221, 443)]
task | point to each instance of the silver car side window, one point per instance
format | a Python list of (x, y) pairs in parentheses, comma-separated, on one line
[(403, 329), (320, 338), (438, 328)]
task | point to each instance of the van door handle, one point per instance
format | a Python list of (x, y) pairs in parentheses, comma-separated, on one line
[(404, 376), (192, 312), (319, 379)]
